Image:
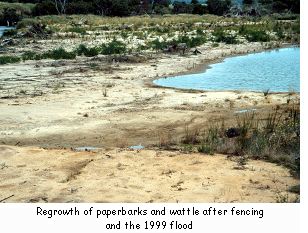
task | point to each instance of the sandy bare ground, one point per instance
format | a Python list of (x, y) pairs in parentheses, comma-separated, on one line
[(89, 102), (51, 104), (38, 175)]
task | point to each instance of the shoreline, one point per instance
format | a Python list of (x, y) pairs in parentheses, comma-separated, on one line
[(205, 65)]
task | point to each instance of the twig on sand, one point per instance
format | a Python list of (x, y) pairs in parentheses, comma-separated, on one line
[(6, 198)]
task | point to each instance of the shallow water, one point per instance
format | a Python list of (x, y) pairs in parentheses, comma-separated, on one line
[(139, 147), (4, 28), (276, 70)]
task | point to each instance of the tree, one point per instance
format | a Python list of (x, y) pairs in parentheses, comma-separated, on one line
[(44, 8), (103, 6), (286, 5), (61, 6), (162, 2), (80, 7), (134, 6), (218, 7), (248, 2), (199, 9), (119, 8), (281, 5), (9, 16), (182, 8), (161, 6), (145, 6)]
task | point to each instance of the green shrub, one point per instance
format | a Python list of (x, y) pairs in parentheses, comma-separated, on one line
[(190, 41), (29, 55), (280, 34), (81, 49), (113, 47), (221, 36), (157, 45), (57, 54), (26, 22), (296, 27), (199, 31), (280, 29), (11, 32), (88, 52), (254, 34), (8, 59), (197, 41), (257, 36), (91, 52), (142, 47), (77, 30)]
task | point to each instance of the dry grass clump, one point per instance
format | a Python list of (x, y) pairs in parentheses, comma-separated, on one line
[(192, 136), (165, 139), (274, 138)]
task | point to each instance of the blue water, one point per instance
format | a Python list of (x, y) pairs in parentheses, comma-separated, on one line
[(139, 147), (4, 28), (276, 70)]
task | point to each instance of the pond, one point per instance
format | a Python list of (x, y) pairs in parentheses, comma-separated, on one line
[(4, 28), (275, 70)]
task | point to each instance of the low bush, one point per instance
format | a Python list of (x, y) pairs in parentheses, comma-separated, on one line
[(88, 52), (8, 59), (27, 22), (221, 36), (190, 41), (77, 30), (29, 55), (57, 54), (113, 47), (254, 34), (197, 41), (257, 36), (9, 33), (157, 44)]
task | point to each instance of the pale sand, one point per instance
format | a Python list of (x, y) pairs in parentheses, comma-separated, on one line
[(133, 112), (37, 175)]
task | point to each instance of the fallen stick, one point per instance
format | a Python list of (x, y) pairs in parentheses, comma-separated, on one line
[(6, 198)]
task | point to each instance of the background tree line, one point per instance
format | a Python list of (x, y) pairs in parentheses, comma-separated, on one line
[(137, 7)]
